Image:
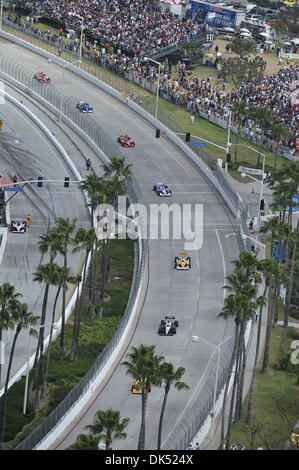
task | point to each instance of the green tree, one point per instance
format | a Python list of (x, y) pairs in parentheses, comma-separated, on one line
[(169, 376), (22, 318), (280, 132), (65, 228), (263, 117), (8, 298), (143, 365), (85, 442), (240, 110), (108, 426)]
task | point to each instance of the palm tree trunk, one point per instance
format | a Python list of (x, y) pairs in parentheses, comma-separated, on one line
[(161, 420), (41, 346), (141, 441), (103, 277), (4, 402), (44, 387), (61, 347), (239, 399), (232, 362), (257, 350), (73, 356), (268, 332), (290, 284)]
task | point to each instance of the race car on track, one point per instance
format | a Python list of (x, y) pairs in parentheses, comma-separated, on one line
[(168, 326), (42, 77), (18, 226), (126, 141), (84, 107), (136, 388), (182, 261), (162, 190)]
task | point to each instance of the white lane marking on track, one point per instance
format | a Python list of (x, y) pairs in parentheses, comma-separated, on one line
[(223, 262)]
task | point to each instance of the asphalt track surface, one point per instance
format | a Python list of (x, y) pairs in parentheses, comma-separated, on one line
[(194, 297), (26, 152)]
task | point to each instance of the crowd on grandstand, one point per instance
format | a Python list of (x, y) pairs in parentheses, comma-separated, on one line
[(136, 28), (133, 26)]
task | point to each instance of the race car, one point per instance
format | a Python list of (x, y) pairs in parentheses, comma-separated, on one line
[(126, 141), (42, 77), (182, 261), (162, 190), (84, 107), (18, 226), (136, 388), (168, 326)]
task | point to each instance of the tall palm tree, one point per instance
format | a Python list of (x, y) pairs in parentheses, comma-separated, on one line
[(107, 426), (280, 132), (95, 186), (8, 297), (59, 279), (271, 225), (143, 365), (118, 174), (46, 273), (85, 442), (77, 317), (169, 376), (268, 268), (294, 241), (262, 117), (84, 240), (240, 110), (65, 227), (22, 318), (50, 242)]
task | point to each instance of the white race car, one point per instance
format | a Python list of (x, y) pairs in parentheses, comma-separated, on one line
[(162, 190), (18, 226)]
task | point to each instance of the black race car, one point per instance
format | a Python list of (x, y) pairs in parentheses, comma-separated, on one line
[(168, 326), (18, 226)]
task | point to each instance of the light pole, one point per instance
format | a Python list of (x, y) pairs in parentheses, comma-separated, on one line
[(81, 34), (263, 173), (216, 347), (158, 85)]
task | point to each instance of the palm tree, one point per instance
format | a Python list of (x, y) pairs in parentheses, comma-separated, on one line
[(50, 241), (268, 268), (107, 426), (45, 273), (59, 279), (143, 365), (84, 240), (22, 318), (280, 132), (240, 110), (65, 228), (118, 174), (95, 186), (169, 376), (271, 225), (262, 117), (294, 241), (8, 297), (77, 316), (85, 442)]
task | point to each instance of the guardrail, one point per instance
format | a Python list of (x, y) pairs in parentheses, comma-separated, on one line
[(91, 131)]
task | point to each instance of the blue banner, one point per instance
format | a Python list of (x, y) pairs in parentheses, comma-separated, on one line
[(213, 15), (13, 189)]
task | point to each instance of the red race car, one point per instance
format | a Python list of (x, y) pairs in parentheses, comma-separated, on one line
[(42, 77), (126, 141)]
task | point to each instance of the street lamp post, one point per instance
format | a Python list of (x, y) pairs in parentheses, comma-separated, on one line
[(81, 35), (158, 84), (263, 173)]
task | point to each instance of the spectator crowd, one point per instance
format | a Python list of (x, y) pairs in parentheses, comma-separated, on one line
[(133, 26)]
